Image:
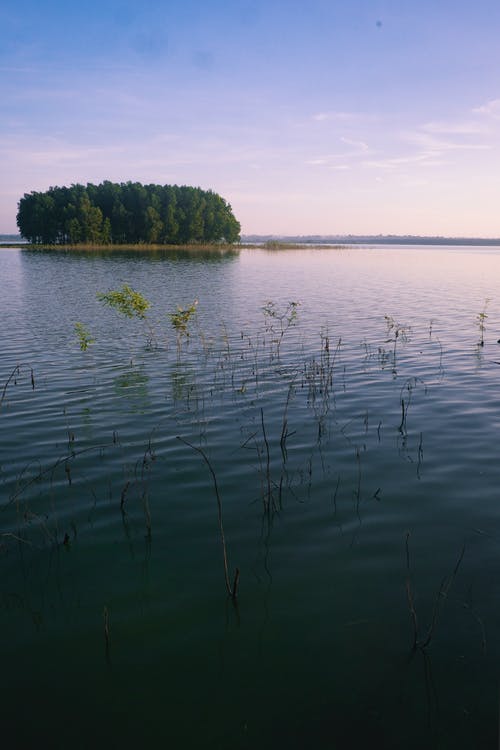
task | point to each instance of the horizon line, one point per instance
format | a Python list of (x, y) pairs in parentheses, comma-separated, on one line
[(325, 237)]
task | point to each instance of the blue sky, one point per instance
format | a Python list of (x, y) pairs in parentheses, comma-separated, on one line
[(319, 117)]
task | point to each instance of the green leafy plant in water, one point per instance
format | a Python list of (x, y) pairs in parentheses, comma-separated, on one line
[(132, 304), (481, 323), (84, 336), (126, 301), (181, 318), (279, 321)]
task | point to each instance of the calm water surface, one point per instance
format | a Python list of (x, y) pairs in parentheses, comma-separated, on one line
[(356, 461)]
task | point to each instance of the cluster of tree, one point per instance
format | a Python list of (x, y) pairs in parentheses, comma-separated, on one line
[(112, 213)]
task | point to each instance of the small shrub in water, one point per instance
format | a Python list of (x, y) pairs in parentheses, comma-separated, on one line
[(84, 336), (126, 301), (130, 303), (481, 323), (180, 319)]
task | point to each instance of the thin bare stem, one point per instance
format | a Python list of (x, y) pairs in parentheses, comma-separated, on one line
[(268, 459), (409, 594), (16, 371), (232, 590)]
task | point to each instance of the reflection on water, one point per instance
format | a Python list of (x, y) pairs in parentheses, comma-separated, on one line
[(346, 463), (133, 386), (202, 254)]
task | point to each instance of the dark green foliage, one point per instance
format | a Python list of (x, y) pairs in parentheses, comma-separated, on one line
[(126, 213)]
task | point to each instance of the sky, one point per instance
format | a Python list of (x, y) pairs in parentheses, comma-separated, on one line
[(317, 117)]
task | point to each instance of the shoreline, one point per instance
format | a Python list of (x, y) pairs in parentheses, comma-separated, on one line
[(191, 247)]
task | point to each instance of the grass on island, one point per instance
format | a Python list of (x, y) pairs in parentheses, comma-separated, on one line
[(213, 247), (279, 245), (136, 247)]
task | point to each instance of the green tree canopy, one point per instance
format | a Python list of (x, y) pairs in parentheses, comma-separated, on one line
[(126, 212)]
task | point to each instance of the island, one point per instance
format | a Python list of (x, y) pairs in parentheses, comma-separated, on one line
[(126, 213)]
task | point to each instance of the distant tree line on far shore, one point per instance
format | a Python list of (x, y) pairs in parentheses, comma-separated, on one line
[(112, 213)]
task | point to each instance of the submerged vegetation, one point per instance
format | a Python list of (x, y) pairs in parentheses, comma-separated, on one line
[(248, 369), (481, 323), (112, 213), (126, 300), (181, 317), (278, 321), (243, 367), (130, 303), (84, 336), (133, 304)]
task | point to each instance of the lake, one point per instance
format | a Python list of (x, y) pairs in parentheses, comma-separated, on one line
[(336, 414)]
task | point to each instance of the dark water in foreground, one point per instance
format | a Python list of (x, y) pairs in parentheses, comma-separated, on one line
[(357, 464)]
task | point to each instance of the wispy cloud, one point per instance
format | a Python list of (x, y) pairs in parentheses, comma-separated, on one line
[(358, 145), (432, 145), (58, 157), (491, 108), (52, 152), (357, 149), (392, 163), (337, 116), (456, 128), (344, 116)]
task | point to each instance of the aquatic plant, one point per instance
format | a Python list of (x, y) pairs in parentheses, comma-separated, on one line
[(269, 495), (13, 379), (181, 318), (318, 374), (231, 589), (126, 301), (285, 434), (481, 323), (408, 387), (107, 640), (279, 245), (279, 321), (397, 331), (441, 596), (83, 336), (131, 303)]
